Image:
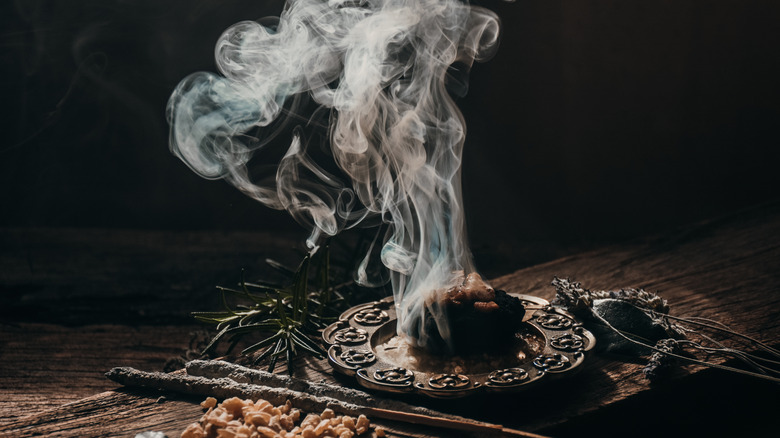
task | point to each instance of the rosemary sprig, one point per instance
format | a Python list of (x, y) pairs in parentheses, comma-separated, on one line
[(287, 318)]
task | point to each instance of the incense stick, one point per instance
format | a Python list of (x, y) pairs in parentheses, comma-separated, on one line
[(391, 410), (225, 387)]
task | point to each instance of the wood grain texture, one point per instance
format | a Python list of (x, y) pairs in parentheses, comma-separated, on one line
[(108, 414), (123, 413), (726, 269), (43, 366)]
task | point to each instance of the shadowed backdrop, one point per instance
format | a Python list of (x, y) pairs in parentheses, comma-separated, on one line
[(597, 121)]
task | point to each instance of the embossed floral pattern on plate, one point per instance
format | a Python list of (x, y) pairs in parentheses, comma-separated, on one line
[(354, 338)]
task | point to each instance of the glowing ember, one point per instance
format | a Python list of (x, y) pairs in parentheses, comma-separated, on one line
[(473, 291), (477, 318)]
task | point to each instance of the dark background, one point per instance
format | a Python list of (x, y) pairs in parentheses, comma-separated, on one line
[(597, 121)]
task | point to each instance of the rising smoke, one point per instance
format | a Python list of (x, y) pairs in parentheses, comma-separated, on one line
[(383, 71)]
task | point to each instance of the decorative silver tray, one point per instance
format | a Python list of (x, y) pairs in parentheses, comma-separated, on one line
[(560, 344)]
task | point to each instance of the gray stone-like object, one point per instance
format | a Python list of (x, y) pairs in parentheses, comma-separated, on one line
[(626, 318)]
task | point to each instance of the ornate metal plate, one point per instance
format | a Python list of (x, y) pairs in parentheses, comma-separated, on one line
[(558, 347)]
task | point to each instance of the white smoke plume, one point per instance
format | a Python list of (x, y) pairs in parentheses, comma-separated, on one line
[(381, 71)]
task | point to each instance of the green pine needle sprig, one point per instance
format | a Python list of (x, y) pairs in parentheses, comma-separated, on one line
[(288, 318)]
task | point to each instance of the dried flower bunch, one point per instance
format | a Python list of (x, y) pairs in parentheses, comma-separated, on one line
[(236, 418), (576, 298), (661, 361)]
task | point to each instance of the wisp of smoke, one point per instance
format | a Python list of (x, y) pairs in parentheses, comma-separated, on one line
[(382, 71)]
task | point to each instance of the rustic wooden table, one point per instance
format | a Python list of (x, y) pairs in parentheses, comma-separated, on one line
[(78, 302)]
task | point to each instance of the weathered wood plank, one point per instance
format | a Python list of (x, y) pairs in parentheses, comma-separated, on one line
[(43, 366), (108, 414), (726, 269), (123, 413)]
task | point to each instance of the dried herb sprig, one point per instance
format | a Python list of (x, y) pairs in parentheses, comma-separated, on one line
[(660, 363), (287, 317)]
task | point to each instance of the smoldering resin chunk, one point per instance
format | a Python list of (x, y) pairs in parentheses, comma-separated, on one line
[(479, 319)]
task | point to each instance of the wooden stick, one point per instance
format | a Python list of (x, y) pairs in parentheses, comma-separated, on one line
[(447, 423)]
